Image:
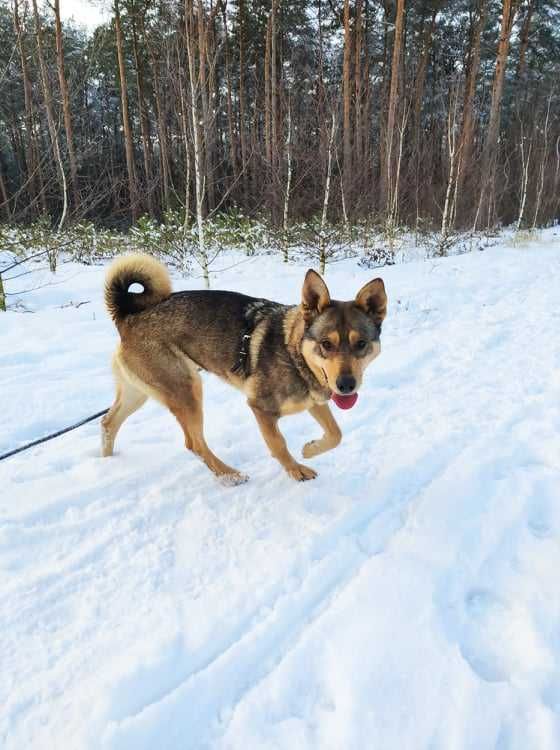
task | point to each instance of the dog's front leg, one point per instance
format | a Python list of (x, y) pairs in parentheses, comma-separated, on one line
[(268, 424), (332, 434)]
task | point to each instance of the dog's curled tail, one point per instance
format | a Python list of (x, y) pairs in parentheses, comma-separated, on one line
[(135, 269)]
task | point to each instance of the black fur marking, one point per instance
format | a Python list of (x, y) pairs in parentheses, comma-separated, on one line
[(124, 302)]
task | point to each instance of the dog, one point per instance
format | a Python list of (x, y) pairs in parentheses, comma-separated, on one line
[(285, 359)]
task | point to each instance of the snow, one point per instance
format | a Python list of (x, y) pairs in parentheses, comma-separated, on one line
[(407, 598)]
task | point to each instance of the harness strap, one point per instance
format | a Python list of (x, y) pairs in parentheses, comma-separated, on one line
[(243, 365), (254, 313)]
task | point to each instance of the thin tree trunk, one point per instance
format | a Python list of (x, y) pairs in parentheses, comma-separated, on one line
[(450, 193), (185, 136), (206, 134), (423, 67), (525, 161), (358, 132), (273, 86), (66, 105), (467, 123), (128, 141), (267, 108), (4, 199), (347, 100), (47, 97), (543, 162), (31, 155), (162, 133), (288, 183), (242, 105), (489, 154), (143, 113), (524, 41), (198, 155), (326, 196), (387, 174), (229, 100)]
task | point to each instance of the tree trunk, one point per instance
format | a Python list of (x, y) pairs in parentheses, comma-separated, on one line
[(288, 184), (229, 100), (242, 104), (347, 101), (267, 109), (2, 296), (423, 67), (387, 173), (196, 82), (326, 196), (358, 133), (4, 199), (489, 154), (143, 113), (49, 109), (206, 134), (128, 141), (273, 86), (31, 153), (467, 123), (524, 41), (185, 136), (66, 105), (160, 122)]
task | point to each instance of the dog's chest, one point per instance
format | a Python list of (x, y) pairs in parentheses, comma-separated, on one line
[(293, 405)]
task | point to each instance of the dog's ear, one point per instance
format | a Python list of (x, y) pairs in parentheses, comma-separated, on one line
[(373, 300), (314, 295)]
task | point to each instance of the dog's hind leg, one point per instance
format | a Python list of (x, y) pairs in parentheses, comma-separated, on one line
[(128, 400), (332, 434), (276, 443), (188, 412)]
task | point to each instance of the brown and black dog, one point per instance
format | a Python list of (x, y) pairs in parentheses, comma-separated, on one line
[(285, 359)]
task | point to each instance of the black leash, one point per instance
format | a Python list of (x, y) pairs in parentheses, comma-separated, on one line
[(54, 434)]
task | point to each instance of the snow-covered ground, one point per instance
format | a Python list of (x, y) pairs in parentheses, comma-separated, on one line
[(407, 599)]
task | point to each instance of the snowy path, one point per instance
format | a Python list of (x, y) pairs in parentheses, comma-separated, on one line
[(407, 599)]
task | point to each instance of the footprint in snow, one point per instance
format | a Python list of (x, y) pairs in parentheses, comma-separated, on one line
[(543, 517), (498, 639)]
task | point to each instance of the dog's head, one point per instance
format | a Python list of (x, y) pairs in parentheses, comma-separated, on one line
[(341, 338)]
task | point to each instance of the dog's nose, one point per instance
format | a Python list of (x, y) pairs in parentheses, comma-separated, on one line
[(346, 384)]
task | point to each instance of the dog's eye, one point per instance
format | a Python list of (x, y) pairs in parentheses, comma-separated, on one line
[(327, 345), (361, 344)]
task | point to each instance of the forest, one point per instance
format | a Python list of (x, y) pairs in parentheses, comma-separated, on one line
[(424, 114)]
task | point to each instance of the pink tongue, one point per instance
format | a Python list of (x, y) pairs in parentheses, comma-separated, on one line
[(345, 402)]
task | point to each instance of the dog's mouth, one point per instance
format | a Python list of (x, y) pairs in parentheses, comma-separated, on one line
[(344, 402)]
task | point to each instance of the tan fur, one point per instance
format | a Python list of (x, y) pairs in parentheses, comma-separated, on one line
[(331, 436), (183, 401), (167, 339), (293, 406), (314, 363), (277, 446), (256, 342)]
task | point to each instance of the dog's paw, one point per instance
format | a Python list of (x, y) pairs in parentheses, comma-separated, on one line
[(310, 449), (234, 478), (301, 473)]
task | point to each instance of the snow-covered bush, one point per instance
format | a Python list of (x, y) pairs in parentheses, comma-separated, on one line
[(232, 229), (376, 256)]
